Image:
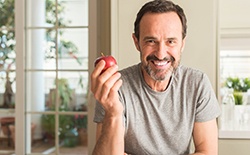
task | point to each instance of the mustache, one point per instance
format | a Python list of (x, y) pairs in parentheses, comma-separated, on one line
[(153, 57)]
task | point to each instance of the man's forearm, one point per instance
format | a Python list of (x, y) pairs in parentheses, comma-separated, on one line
[(111, 140)]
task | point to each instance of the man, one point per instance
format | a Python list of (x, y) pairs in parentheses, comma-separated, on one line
[(157, 106)]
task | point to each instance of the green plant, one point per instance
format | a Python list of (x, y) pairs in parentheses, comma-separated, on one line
[(238, 96), (80, 121), (240, 85), (71, 138), (65, 94), (65, 125)]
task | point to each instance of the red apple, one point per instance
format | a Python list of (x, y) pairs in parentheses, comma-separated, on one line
[(109, 60)]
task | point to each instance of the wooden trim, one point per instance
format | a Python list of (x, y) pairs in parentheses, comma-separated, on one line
[(20, 78)]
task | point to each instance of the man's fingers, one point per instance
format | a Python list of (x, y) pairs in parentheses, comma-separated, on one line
[(102, 83), (115, 88), (98, 68), (109, 84)]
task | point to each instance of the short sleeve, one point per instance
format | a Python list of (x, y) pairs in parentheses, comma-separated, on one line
[(207, 107)]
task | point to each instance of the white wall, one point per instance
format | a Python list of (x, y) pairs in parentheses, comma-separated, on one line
[(235, 14)]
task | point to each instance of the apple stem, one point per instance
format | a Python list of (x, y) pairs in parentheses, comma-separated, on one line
[(102, 54)]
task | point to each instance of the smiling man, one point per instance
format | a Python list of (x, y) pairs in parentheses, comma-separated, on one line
[(160, 46), (156, 106)]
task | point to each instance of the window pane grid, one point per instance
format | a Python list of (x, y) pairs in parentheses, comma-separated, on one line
[(235, 73), (68, 61)]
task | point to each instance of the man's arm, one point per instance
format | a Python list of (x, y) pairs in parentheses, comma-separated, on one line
[(110, 137), (205, 136), (105, 88), (98, 131)]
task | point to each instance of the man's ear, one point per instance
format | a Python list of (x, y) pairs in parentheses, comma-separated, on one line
[(136, 42)]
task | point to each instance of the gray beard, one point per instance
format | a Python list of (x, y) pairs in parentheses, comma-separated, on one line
[(154, 74)]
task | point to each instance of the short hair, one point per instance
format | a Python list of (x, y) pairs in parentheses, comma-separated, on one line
[(160, 6)]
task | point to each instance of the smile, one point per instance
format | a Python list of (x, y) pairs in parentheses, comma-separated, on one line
[(160, 63)]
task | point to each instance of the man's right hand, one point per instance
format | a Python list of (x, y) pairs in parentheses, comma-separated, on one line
[(105, 88)]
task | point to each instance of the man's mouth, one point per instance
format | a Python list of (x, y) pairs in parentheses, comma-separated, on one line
[(160, 63)]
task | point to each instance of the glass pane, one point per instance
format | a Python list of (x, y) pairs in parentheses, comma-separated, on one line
[(234, 63), (234, 75), (50, 91), (41, 132), (7, 89), (36, 13), (7, 13), (40, 88), (7, 49), (43, 13), (75, 12), (7, 76), (49, 49), (73, 91), (41, 50), (2, 84), (6, 133), (73, 134), (7, 67), (73, 49)]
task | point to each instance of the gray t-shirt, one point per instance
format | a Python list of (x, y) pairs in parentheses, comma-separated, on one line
[(161, 123)]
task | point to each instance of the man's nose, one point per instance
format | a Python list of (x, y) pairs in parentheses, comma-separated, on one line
[(162, 50)]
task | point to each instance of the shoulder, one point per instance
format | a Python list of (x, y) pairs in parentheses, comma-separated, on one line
[(132, 79), (183, 72), (190, 76), (130, 72)]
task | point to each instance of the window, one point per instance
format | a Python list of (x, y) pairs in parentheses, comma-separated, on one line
[(7, 75), (57, 75), (235, 73), (50, 47), (235, 63)]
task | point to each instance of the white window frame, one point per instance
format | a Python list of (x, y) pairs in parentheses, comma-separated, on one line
[(226, 33), (20, 114)]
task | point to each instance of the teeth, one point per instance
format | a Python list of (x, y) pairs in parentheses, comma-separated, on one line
[(160, 63)]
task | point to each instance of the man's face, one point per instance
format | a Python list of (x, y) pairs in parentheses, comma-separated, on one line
[(160, 44)]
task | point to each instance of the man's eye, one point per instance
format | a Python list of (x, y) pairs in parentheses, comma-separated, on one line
[(171, 42), (151, 41)]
